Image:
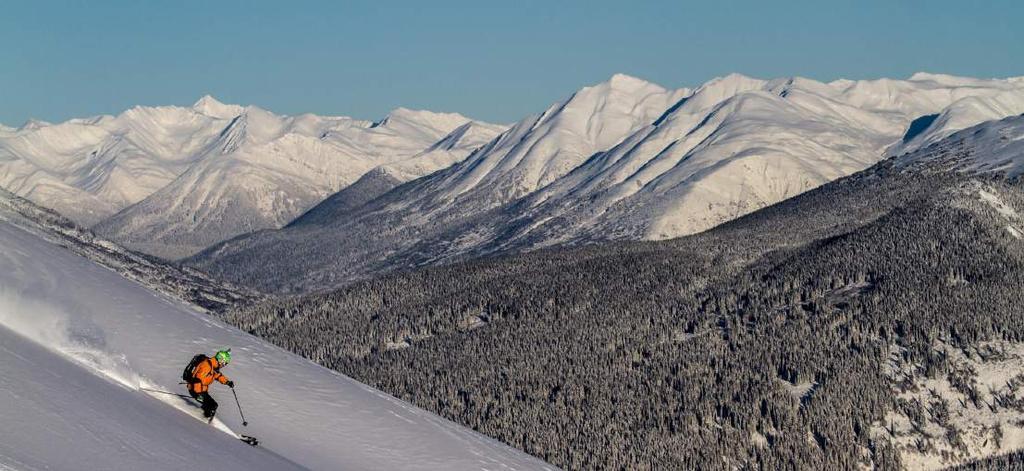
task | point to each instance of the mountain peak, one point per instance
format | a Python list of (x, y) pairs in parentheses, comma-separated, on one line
[(408, 113), (732, 80), (629, 82), (207, 101), (210, 106), (442, 123), (621, 86), (941, 78), (721, 88), (33, 124)]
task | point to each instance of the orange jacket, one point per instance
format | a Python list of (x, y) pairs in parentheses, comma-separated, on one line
[(204, 374)]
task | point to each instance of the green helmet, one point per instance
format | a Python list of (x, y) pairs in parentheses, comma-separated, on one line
[(223, 357)]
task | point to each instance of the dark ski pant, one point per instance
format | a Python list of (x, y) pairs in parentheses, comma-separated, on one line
[(209, 405)]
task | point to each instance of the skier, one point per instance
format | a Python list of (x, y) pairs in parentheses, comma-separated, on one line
[(200, 373)]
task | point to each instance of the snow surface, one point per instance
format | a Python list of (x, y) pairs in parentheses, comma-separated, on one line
[(926, 446), (75, 405), (58, 415)]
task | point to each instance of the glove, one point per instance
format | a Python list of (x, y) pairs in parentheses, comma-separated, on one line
[(231, 384)]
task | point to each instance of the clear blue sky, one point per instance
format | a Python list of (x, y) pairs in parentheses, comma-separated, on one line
[(496, 61)]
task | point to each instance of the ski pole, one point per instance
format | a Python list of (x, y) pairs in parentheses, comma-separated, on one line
[(164, 392), (244, 423)]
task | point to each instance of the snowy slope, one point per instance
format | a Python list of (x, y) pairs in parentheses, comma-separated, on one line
[(540, 149), (622, 160), (989, 147), (126, 336), (442, 154), (58, 415), (537, 150), (181, 178), (191, 286)]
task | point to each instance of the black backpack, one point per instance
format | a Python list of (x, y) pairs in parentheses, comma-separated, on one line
[(186, 375)]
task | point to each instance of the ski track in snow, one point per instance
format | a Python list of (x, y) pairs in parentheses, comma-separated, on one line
[(126, 336)]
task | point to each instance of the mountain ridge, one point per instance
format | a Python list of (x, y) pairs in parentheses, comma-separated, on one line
[(724, 149), (171, 180)]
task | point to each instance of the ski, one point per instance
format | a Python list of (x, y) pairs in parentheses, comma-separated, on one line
[(249, 440)]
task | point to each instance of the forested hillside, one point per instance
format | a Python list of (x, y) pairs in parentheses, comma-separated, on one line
[(1008, 462)]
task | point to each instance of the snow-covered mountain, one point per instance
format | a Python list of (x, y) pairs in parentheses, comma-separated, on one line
[(961, 114), (624, 159), (541, 149), (740, 144), (78, 341), (992, 147), (87, 169), (442, 154), (171, 180)]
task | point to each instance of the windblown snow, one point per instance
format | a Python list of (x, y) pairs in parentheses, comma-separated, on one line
[(78, 341)]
